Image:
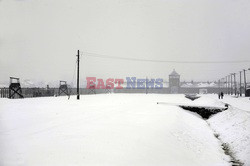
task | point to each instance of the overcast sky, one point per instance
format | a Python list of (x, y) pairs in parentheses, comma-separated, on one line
[(39, 39)]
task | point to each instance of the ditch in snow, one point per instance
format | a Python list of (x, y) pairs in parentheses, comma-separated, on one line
[(205, 113)]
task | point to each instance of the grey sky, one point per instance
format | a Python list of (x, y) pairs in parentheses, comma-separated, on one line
[(39, 38)]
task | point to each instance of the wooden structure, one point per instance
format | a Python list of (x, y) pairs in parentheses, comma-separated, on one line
[(108, 89), (4, 92), (15, 89), (63, 88), (91, 89)]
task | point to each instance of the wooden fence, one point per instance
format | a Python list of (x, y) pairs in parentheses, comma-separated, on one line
[(4, 92)]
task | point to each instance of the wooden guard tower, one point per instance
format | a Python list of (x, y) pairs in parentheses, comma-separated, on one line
[(91, 89), (108, 89), (15, 88), (63, 88)]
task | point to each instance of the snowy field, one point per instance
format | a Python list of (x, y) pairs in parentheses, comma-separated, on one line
[(121, 130)]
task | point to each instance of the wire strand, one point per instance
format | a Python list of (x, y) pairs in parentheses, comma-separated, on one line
[(89, 54)]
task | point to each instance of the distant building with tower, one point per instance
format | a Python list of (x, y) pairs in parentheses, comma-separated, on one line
[(175, 86), (174, 82)]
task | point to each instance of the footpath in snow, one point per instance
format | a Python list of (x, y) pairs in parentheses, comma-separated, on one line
[(117, 129)]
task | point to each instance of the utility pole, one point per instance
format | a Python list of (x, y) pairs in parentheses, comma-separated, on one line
[(245, 82), (240, 84), (235, 86), (228, 84), (78, 60), (231, 90), (219, 85), (225, 84)]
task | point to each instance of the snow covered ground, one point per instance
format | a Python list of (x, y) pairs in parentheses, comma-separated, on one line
[(233, 126), (118, 129)]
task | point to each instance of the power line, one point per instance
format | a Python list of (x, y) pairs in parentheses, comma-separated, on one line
[(159, 61)]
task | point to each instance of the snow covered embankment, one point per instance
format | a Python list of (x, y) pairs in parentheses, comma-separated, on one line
[(233, 128)]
